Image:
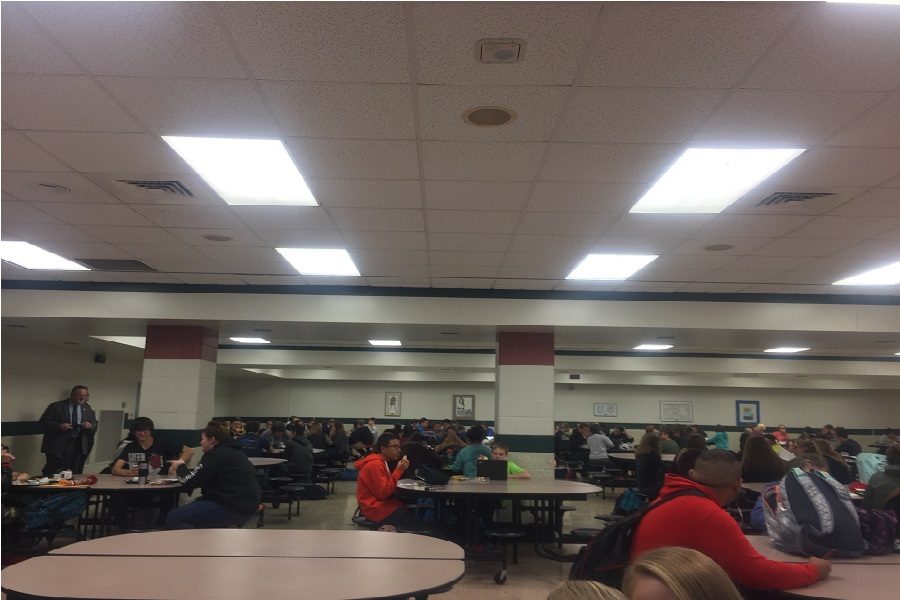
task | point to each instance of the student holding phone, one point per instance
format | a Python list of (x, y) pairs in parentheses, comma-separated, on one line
[(377, 483)]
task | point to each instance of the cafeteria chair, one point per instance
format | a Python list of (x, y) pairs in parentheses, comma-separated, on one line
[(360, 521), (504, 535)]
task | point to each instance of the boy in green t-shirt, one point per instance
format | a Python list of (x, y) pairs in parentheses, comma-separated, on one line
[(500, 451)]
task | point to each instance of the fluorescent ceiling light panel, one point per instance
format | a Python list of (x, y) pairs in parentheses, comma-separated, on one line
[(863, 1), (887, 275), (30, 256), (320, 261), (242, 172), (249, 340), (611, 267), (706, 180), (786, 350), (653, 347), (385, 342), (136, 341)]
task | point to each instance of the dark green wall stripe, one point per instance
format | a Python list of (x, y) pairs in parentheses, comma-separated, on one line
[(528, 443), (323, 290)]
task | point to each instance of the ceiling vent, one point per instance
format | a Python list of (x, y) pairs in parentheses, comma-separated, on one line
[(165, 187), (104, 264), (499, 51), (788, 197)]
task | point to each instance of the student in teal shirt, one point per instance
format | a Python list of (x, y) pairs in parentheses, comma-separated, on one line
[(720, 439), (467, 458), (500, 451)]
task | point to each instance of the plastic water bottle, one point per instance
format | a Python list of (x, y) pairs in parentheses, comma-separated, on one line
[(143, 472)]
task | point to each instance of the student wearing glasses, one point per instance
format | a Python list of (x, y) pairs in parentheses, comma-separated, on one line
[(377, 483)]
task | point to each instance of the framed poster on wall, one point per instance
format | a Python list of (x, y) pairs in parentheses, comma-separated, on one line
[(392, 404), (463, 406), (606, 410), (746, 412), (676, 412)]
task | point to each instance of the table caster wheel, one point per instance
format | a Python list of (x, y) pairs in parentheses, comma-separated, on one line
[(500, 578)]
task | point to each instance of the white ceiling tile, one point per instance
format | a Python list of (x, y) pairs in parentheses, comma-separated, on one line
[(661, 225), (366, 193), (648, 286), (272, 279), (131, 235), (306, 238), (824, 51), (21, 154), (93, 276), (557, 262), (402, 281), (464, 221), (110, 152), (145, 278), (751, 226), (62, 103), (141, 39), (21, 212), (621, 163), (181, 265), (743, 245), (661, 44), (230, 252), (76, 250), (378, 219), (194, 236), (399, 240), (893, 234), (201, 107), (199, 217), (334, 280), (585, 285), (846, 227), (81, 213), (584, 197), (552, 244), (796, 246), (635, 245), (781, 118), (283, 217), (707, 261), (317, 41), (524, 284), (58, 187), (478, 242), (162, 252), (116, 184), (761, 262), (27, 49), (838, 167), (466, 259), (874, 249), (389, 257), (39, 232), (486, 271), (355, 159), (628, 115), (455, 283), (544, 273), (555, 33), (490, 161), (476, 195), (342, 110), (212, 279), (393, 270), (276, 266), (752, 202), (536, 110), (565, 223), (747, 276), (879, 202), (879, 126), (651, 273)]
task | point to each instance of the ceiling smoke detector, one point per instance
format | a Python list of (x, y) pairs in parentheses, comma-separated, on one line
[(718, 247), (489, 116), (499, 51), (215, 237)]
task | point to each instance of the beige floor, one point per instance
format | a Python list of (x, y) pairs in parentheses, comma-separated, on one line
[(532, 579)]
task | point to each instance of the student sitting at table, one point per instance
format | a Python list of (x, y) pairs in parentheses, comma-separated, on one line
[(250, 442), (147, 450), (377, 484), (697, 521), (418, 454), (649, 469), (846, 445), (228, 482), (760, 464), (467, 459), (837, 466), (298, 453), (500, 451), (678, 574), (885, 485)]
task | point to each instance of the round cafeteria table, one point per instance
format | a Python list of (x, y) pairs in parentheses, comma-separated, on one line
[(869, 577), (228, 564), (260, 461)]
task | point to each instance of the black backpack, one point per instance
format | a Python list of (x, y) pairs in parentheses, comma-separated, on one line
[(606, 555), (432, 476)]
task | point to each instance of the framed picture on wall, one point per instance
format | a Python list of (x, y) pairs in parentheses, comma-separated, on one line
[(747, 412), (463, 406), (392, 404), (606, 410), (676, 412)]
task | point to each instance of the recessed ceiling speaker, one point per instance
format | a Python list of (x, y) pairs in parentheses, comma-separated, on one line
[(489, 116), (499, 51)]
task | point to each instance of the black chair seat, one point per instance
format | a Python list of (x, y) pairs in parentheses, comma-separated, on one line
[(505, 533)]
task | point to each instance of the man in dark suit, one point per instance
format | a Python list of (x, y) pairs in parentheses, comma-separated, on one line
[(69, 428)]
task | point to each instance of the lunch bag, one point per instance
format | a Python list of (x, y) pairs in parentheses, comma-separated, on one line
[(878, 528), (606, 555), (811, 514)]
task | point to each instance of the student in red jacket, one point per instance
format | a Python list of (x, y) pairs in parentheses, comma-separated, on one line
[(376, 485), (698, 522)]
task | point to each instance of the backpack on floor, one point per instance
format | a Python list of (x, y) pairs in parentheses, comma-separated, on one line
[(811, 514), (878, 529), (55, 510), (606, 555)]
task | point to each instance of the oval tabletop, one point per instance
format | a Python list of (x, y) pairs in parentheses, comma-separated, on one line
[(226, 578), (261, 461), (548, 488), (282, 543)]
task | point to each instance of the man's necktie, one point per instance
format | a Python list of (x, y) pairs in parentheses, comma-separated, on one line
[(76, 426)]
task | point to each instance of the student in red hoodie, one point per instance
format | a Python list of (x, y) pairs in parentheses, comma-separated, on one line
[(376, 485), (698, 522)]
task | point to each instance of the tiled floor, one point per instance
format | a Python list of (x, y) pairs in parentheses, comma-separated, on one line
[(532, 579)]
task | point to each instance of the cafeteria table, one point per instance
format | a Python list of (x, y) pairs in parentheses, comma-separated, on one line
[(262, 461), (228, 564), (547, 496), (868, 577)]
